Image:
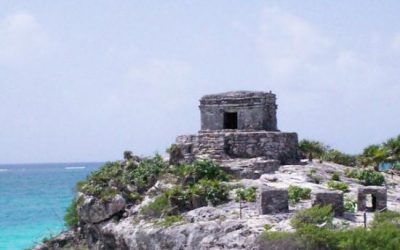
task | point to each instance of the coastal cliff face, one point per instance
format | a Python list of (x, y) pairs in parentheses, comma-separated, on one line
[(149, 204)]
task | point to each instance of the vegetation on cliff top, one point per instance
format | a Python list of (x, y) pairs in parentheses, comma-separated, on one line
[(372, 156), (315, 230), (200, 183)]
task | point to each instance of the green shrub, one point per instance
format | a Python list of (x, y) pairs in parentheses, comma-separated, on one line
[(316, 215), (267, 227), (71, 218), (386, 217), (112, 177), (369, 177), (214, 191), (205, 191), (338, 185), (157, 208), (199, 170), (349, 205), (312, 149), (353, 173), (335, 176), (180, 199), (313, 177), (271, 240), (146, 174), (384, 234), (338, 157), (313, 237), (248, 194), (297, 193), (133, 197)]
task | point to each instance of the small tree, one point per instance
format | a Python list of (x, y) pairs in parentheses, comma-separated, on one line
[(311, 149)]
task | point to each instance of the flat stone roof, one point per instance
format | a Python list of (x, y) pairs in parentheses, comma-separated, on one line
[(237, 95)]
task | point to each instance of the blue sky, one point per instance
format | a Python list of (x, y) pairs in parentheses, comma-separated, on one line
[(86, 80)]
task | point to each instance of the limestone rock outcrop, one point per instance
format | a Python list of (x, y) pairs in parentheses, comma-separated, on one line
[(93, 210)]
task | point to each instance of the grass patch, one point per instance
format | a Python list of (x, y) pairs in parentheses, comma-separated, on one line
[(157, 208), (335, 176), (170, 220), (337, 185)]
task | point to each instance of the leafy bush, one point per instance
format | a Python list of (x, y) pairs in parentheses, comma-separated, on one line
[(214, 191), (370, 177), (71, 218), (297, 193), (183, 198), (316, 215), (274, 240), (113, 177), (338, 157), (267, 227), (335, 176), (353, 173), (199, 170), (384, 234), (248, 194), (312, 149), (157, 208), (338, 185), (349, 205), (146, 174), (386, 217)]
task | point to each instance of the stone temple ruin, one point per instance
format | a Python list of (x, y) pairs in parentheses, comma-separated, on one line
[(239, 130)]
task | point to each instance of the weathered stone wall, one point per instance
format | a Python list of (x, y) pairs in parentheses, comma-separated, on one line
[(272, 200), (379, 197), (244, 144), (328, 197), (255, 110), (272, 145)]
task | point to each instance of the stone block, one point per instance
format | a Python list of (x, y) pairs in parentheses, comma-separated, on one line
[(378, 195), (328, 197), (272, 200)]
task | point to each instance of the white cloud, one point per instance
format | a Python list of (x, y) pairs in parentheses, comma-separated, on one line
[(21, 37), (329, 87)]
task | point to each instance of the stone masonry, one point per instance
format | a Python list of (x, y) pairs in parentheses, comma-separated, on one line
[(254, 110), (239, 125), (379, 198), (272, 200), (329, 197)]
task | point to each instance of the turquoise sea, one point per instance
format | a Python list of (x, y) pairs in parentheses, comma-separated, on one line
[(33, 200)]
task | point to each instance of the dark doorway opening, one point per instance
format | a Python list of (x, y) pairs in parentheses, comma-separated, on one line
[(230, 120), (370, 202)]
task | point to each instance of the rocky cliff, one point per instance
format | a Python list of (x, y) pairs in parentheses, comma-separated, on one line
[(145, 203)]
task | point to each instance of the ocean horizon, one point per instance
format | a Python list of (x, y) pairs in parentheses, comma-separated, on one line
[(34, 198)]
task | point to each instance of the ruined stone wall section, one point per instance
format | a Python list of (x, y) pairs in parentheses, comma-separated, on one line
[(272, 145), (243, 144), (256, 110)]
